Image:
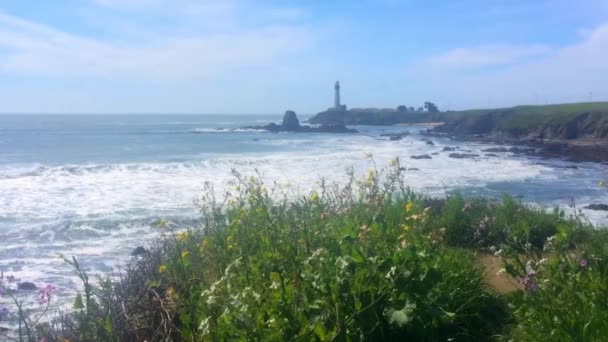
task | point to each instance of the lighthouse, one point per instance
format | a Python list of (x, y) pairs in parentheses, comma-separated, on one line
[(337, 104)]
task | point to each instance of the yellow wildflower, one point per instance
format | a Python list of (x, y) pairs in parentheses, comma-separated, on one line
[(231, 247), (162, 269), (314, 198), (409, 206), (185, 254), (182, 236), (170, 293), (406, 227)]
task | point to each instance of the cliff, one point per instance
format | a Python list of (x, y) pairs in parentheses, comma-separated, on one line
[(579, 130)]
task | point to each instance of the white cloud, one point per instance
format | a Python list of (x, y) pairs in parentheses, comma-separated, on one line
[(483, 56), (31, 48), (473, 77)]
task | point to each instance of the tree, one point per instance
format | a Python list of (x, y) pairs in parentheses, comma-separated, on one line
[(402, 108), (420, 109), (412, 109), (431, 107)]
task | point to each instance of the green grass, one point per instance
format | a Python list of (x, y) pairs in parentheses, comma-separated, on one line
[(521, 119), (369, 260)]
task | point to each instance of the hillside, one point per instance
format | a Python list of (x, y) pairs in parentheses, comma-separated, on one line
[(378, 116), (561, 121), (578, 130)]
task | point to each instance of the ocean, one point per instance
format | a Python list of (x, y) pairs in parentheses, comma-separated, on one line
[(94, 186)]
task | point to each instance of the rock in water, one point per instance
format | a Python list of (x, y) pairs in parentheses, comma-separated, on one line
[(603, 207), (448, 149), (496, 150), (139, 250), (428, 142), (463, 155), (27, 286), (422, 156), (290, 121)]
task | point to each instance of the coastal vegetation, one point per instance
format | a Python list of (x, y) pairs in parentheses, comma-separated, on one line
[(368, 260)]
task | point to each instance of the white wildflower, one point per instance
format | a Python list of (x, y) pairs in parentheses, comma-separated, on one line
[(391, 273)]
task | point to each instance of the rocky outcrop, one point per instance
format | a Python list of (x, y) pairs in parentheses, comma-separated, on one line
[(463, 155), (577, 131), (423, 156), (291, 123), (603, 207), (27, 286), (395, 136)]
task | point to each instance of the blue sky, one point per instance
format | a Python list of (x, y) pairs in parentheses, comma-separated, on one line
[(245, 56)]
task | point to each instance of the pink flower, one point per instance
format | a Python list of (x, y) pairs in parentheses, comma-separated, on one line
[(44, 294)]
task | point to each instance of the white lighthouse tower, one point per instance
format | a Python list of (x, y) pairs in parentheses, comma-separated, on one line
[(337, 104)]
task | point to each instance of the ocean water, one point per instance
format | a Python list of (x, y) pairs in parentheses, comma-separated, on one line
[(92, 186)]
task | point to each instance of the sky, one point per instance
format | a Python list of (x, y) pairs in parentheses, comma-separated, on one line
[(246, 56)]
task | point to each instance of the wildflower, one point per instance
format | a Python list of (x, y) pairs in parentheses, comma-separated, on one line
[(602, 184), (44, 294), (162, 269), (170, 292), (371, 176), (391, 273), (406, 227), (529, 282), (583, 263), (314, 198), (182, 236), (274, 285), (409, 206), (185, 254), (502, 271), (231, 247)]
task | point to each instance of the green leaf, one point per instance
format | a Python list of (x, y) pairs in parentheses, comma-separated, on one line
[(78, 305), (320, 332)]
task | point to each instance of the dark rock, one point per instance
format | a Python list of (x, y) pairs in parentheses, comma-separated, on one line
[(139, 250), (290, 121), (449, 149), (603, 207), (422, 156), (434, 153), (27, 286), (292, 124), (428, 142), (463, 155), (496, 150), (395, 138), (409, 169), (519, 150), (491, 155)]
